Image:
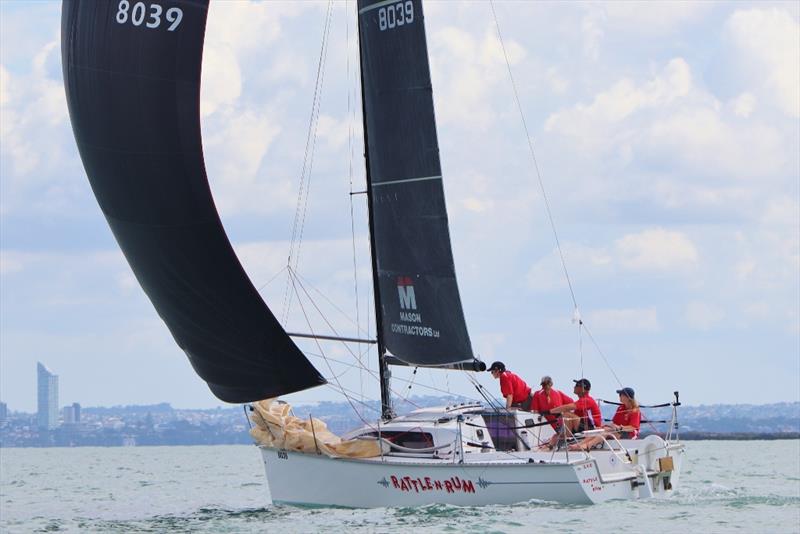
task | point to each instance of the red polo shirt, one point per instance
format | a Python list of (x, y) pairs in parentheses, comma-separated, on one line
[(626, 417), (511, 384), (542, 402), (586, 407)]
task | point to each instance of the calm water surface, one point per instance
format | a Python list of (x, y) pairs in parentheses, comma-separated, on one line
[(726, 487)]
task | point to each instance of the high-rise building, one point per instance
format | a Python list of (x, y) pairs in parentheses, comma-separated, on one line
[(71, 414), (47, 397), (67, 415), (3, 412)]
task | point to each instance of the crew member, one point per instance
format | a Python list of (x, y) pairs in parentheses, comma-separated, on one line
[(585, 408), (627, 418), (624, 425), (548, 398), (515, 391)]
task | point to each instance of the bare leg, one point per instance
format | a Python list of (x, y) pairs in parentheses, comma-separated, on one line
[(586, 444)]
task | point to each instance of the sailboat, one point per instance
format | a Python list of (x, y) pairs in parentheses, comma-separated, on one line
[(132, 77)]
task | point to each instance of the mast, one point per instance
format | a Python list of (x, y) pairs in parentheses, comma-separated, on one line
[(385, 375)]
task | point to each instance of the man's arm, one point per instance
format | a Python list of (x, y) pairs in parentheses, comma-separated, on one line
[(563, 408)]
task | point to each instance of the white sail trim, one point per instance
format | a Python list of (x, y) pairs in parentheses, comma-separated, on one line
[(376, 6), (405, 180)]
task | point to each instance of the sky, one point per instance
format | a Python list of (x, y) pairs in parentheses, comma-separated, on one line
[(667, 135)]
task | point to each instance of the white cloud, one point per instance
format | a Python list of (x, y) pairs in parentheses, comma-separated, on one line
[(585, 262), (669, 121), (769, 42), (759, 310), (743, 105), (635, 18), (701, 139), (558, 83), (236, 143), (649, 251), (5, 86), (745, 268), (702, 315), (237, 34), (10, 263), (464, 69), (656, 250), (628, 319), (336, 132), (596, 124), (488, 345), (33, 133), (592, 32), (246, 25), (475, 193), (783, 211), (221, 78), (652, 18)]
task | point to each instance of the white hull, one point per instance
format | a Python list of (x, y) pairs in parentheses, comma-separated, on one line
[(311, 479)]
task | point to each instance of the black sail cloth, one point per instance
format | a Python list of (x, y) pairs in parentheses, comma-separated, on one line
[(132, 77), (421, 314)]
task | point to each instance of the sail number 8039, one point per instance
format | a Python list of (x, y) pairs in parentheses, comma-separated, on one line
[(138, 14), (395, 15)]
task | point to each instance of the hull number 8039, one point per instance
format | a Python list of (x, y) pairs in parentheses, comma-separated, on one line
[(395, 15), (139, 13)]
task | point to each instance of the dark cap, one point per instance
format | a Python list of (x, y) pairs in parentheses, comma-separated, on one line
[(497, 366), (546, 380), (584, 383), (628, 392)]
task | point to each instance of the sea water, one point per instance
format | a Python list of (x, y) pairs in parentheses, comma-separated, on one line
[(726, 486)]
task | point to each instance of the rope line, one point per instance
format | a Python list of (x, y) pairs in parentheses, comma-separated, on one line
[(372, 373), (546, 200), (316, 341), (268, 282), (533, 156), (305, 172), (596, 346), (350, 136), (329, 301), (295, 279)]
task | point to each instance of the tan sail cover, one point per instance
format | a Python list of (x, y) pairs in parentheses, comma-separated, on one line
[(276, 428)]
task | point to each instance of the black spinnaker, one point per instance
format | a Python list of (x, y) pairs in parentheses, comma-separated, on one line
[(132, 77), (422, 319)]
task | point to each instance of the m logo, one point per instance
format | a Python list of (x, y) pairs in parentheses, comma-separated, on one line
[(405, 288)]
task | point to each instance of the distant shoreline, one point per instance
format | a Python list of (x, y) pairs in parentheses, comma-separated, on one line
[(163, 425), (737, 436), (685, 436)]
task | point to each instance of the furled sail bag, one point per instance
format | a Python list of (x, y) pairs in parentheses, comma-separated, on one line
[(278, 429)]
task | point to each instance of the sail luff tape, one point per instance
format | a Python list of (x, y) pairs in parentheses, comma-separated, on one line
[(404, 180)]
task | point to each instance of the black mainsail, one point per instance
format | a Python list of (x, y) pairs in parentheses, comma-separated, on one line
[(132, 77), (419, 311)]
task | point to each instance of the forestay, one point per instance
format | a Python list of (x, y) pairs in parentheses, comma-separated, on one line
[(132, 77), (420, 311)]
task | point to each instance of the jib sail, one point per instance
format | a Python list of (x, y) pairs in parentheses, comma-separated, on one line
[(132, 77), (422, 321)]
